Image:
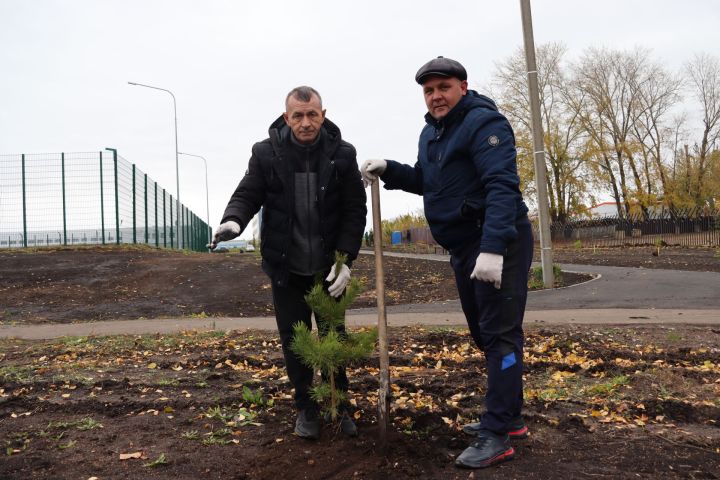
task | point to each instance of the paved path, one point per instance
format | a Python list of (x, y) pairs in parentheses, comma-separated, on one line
[(619, 287), (358, 318), (618, 295)]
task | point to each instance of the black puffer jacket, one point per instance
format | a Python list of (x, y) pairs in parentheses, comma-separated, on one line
[(269, 183)]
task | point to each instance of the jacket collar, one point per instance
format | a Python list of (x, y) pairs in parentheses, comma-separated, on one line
[(457, 112), (471, 100)]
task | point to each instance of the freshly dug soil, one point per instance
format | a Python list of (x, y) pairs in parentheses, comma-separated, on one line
[(695, 259), (600, 401), (104, 283)]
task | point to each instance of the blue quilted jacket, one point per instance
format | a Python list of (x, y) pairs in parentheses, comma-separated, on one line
[(467, 174)]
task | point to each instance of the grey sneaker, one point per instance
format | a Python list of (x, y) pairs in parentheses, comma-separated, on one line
[(307, 424), (486, 450)]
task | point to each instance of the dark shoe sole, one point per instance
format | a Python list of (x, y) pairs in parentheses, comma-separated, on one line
[(505, 456), (307, 436)]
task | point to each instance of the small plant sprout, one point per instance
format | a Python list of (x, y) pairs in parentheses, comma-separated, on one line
[(69, 444), (658, 243), (158, 462), (218, 437), (255, 397), (190, 435)]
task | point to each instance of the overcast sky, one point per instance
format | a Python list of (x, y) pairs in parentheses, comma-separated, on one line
[(64, 68)]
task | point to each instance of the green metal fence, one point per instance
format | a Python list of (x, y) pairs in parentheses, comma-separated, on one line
[(89, 198)]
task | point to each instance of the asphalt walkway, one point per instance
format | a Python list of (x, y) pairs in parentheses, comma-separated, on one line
[(617, 295)]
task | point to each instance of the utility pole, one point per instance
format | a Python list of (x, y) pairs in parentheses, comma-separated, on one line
[(207, 197), (538, 147), (180, 226)]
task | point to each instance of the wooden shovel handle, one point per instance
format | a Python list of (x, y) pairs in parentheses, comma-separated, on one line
[(384, 390)]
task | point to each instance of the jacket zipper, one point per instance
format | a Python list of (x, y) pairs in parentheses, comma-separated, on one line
[(309, 216)]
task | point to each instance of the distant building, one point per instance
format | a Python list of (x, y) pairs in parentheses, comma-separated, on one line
[(604, 209)]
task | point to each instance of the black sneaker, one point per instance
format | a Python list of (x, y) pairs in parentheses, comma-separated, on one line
[(518, 430), (486, 450), (307, 424), (347, 425)]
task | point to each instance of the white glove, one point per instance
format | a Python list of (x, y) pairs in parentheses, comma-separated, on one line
[(338, 286), (372, 169), (488, 268), (226, 231)]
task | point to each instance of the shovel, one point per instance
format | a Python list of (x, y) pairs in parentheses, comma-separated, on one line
[(384, 390)]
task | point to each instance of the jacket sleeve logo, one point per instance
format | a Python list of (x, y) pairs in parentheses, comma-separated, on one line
[(494, 141)]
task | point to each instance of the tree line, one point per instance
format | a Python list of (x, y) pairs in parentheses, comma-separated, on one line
[(614, 122)]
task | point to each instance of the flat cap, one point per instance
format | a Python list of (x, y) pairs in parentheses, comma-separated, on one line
[(444, 67)]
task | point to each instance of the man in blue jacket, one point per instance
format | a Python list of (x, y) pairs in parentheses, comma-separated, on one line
[(467, 174)]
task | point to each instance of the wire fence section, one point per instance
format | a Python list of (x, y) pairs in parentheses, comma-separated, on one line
[(694, 227), (89, 198)]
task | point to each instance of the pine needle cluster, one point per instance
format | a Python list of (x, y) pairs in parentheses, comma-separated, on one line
[(328, 350)]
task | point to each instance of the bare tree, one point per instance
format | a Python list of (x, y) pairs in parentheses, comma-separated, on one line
[(608, 97), (704, 73), (564, 148), (658, 94)]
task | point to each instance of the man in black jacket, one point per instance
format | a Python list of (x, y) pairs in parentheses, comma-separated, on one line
[(306, 179)]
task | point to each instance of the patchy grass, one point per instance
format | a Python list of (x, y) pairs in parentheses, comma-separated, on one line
[(535, 279), (190, 435), (168, 382), (86, 423), (65, 446), (22, 374), (606, 388), (218, 437)]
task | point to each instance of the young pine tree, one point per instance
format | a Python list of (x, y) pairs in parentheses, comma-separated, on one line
[(329, 350)]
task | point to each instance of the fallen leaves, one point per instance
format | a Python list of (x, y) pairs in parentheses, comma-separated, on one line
[(438, 378), (128, 456)]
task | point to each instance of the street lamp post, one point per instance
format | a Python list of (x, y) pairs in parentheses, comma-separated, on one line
[(177, 162), (207, 196), (538, 147)]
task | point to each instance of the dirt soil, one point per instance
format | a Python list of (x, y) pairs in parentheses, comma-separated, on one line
[(102, 283), (697, 259), (601, 402)]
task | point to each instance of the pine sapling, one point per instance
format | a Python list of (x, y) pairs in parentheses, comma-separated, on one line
[(328, 350)]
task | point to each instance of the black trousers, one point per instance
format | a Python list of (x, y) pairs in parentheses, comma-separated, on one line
[(290, 308), (495, 320)]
